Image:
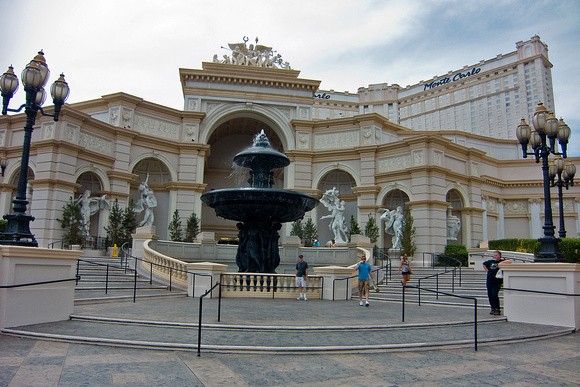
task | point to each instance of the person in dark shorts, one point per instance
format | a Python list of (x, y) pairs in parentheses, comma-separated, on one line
[(301, 277)]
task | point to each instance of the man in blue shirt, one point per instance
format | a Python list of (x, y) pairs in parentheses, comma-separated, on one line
[(364, 274)]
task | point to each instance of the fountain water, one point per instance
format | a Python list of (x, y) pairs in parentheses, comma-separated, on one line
[(259, 209)]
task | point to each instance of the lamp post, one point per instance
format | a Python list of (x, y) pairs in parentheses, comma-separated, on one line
[(34, 78), (543, 141), (565, 174)]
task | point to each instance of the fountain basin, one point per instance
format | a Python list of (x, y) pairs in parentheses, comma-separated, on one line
[(259, 204)]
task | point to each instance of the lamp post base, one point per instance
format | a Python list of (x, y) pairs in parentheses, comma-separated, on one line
[(549, 252), (17, 231)]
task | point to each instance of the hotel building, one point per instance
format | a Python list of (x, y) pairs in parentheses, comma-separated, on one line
[(440, 147)]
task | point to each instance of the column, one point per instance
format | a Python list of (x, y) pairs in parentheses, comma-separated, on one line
[(501, 219), (484, 219), (535, 220)]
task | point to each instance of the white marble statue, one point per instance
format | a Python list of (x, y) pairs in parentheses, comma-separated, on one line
[(89, 207), (254, 55), (147, 202), (453, 225), (338, 223), (394, 225)]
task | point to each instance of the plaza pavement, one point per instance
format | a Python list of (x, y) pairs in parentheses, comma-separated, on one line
[(315, 323)]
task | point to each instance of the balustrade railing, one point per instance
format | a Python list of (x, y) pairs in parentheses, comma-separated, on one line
[(265, 285)]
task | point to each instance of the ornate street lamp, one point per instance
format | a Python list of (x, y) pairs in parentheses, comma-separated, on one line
[(34, 78), (565, 174), (543, 141)]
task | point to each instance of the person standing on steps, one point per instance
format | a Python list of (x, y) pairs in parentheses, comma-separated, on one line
[(405, 266), (301, 277), (493, 283), (364, 275)]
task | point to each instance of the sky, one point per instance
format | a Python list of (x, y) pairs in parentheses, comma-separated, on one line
[(138, 46)]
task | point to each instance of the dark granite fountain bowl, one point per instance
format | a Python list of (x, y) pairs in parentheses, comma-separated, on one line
[(262, 204)]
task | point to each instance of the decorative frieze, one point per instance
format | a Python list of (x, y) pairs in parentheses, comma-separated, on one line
[(516, 207), (94, 143), (48, 130), (303, 141), (114, 116), (156, 127), (336, 140), (418, 157), (492, 204), (71, 132), (395, 163), (304, 113), (438, 158), (191, 131)]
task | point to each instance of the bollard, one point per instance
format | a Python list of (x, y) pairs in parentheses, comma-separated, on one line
[(115, 250)]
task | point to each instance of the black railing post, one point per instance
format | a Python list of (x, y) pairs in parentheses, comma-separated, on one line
[(453, 280), (135, 283), (199, 326), (419, 291), (403, 307), (107, 280), (78, 277), (475, 321), (220, 300), (437, 287), (151, 274), (170, 274)]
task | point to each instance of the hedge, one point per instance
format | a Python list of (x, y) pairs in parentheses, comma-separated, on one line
[(570, 247)]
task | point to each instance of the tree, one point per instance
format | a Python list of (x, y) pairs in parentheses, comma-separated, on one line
[(297, 229), (354, 228), (115, 234), (72, 221), (310, 233), (175, 228), (372, 229), (130, 222), (191, 228), (408, 238)]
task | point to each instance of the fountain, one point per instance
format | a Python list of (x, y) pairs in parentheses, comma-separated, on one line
[(259, 209)]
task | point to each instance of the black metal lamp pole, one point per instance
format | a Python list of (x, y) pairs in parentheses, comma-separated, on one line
[(34, 78), (543, 141), (565, 174)]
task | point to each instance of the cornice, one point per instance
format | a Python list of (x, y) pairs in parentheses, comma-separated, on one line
[(248, 76)]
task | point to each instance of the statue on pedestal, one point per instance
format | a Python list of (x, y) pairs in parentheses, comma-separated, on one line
[(336, 206), (147, 202), (453, 225), (89, 207), (394, 225)]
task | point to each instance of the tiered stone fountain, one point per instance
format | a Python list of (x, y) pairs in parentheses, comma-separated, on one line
[(259, 208)]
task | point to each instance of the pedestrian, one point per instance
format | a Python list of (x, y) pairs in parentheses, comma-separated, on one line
[(301, 277), (364, 274), (405, 267), (493, 283)]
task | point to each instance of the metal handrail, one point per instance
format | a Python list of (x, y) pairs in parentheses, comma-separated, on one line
[(39, 283), (436, 275), (201, 312), (447, 294), (347, 278)]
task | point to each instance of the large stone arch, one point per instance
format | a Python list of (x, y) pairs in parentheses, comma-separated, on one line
[(102, 175), (385, 239), (274, 118), (99, 220), (336, 166)]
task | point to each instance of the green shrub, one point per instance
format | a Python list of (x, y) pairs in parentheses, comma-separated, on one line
[(570, 247)]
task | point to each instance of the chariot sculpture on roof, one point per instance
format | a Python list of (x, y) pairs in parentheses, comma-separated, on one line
[(254, 55)]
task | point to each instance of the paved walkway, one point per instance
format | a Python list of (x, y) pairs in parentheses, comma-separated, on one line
[(29, 362)]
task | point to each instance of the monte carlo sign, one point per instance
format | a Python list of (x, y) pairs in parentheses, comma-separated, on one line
[(456, 77)]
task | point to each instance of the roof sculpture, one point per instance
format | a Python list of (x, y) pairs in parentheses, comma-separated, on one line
[(255, 55)]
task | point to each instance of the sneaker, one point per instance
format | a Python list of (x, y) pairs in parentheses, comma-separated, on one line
[(361, 303), (305, 299), (367, 304), (492, 311), (300, 298), (497, 312)]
